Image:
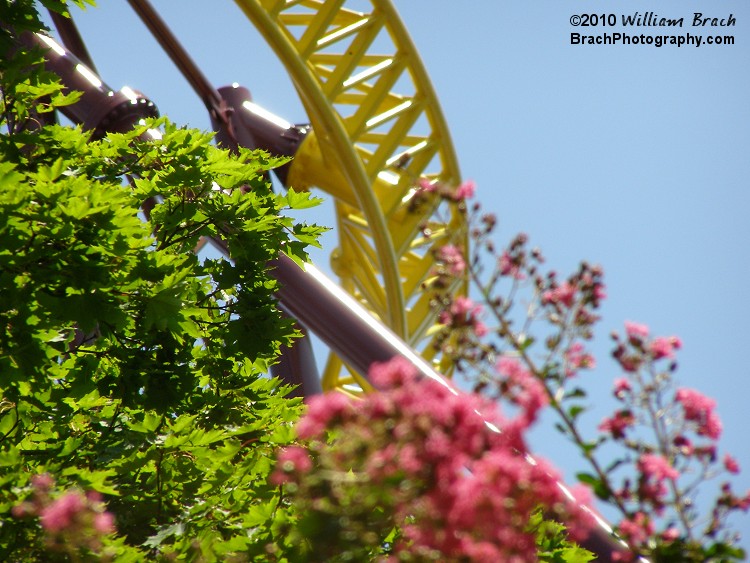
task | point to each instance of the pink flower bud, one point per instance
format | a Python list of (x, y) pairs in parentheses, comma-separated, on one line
[(622, 387), (426, 185), (664, 347), (636, 331), (656, 467), (564, 294), (465, 191), (452, 256), (104, 522), (731, 465), (61, 513), (43, 482), (700, 409)]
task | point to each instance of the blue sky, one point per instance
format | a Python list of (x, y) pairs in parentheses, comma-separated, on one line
[(633, 157)]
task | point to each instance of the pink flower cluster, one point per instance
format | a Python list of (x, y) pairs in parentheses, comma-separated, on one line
[(463, 192), (522, 388), (574, 300), (636, 530), (71, 520), (463, 313), (664, 347), (636, 331), (453, 258), (638, 350), (563, 294), (659, 465), (655, 467), (643, 348), (72, 508), (509, 266), (618, 423), (515, 261), (699, 410), (576, 358), (459, 489), (654, 471), (655, 426)]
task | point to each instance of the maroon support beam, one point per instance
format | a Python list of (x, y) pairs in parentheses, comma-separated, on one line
[(71, 38), (176, 52), (297, 367), (100, 108)]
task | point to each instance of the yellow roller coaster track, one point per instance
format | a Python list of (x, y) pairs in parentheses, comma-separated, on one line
[(377, 128)]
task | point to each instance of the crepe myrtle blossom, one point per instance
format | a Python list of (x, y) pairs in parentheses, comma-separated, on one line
[(699, 409), (419, 452), (75, 509), (460, 193), (453, 259), (564, 294), (621, 387), (576, 358), (464, 313), (509, 267), (638, 350), (618, 423), (465, 190), (72, 520), (655, 426), (731, 465), (427, 185), (292, 458), (636, 531), (636, 331), (656, 467), (521, 387), (664, 347)]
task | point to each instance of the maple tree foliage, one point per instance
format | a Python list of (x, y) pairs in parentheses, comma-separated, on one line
[(133, 386)]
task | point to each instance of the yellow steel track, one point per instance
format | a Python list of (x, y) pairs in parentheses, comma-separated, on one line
[(377, 128)]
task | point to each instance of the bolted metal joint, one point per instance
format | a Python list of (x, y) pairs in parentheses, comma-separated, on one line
[(100, 109)]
